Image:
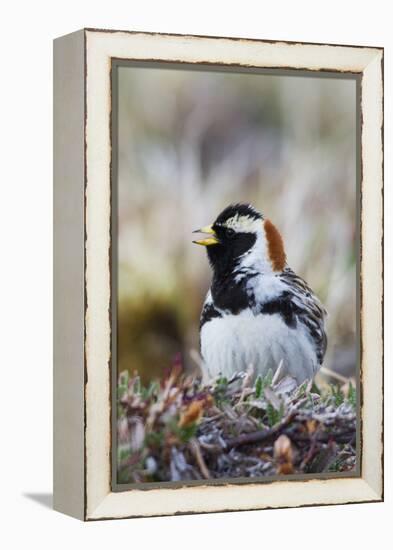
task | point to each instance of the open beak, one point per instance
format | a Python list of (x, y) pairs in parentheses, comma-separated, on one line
[(209, 241)]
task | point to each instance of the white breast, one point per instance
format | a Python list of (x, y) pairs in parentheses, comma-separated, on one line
[(233, 343)]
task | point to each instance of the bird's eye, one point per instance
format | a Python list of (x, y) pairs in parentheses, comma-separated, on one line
[(229, 232)]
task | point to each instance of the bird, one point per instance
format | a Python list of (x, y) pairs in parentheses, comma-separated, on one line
[(258, 313)]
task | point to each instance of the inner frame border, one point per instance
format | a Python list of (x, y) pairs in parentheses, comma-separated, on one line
[(162, 64)]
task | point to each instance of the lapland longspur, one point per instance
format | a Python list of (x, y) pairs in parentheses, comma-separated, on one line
[(258, 312)]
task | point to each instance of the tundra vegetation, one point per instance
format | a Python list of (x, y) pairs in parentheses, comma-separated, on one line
[(179, 429)]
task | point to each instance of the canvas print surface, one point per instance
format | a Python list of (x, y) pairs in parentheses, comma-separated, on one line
[(235, 213)]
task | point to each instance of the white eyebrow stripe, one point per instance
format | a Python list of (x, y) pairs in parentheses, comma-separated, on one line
[(246, 224)]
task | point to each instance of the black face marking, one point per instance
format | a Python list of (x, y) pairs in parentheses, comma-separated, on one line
[(229, 293), (232, 244), (224, 256)]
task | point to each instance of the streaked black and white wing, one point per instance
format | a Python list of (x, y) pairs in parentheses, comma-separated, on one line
[(309, 310)]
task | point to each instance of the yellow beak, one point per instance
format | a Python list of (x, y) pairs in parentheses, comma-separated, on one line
[(209, 241)]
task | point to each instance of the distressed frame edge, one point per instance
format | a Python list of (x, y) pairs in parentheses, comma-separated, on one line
[(235, 38), (376, 492), (372, 270), (104, 510), (69, 277)]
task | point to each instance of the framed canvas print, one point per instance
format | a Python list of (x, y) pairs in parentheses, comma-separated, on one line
[(218, 328)]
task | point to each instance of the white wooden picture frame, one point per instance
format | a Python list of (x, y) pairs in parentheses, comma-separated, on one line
[(82, 257)]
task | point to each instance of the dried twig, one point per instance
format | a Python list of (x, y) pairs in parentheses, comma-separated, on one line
[(196, 450), (261, 435)]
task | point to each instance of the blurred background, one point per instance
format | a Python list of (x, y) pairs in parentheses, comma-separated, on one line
[(190, 143)]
